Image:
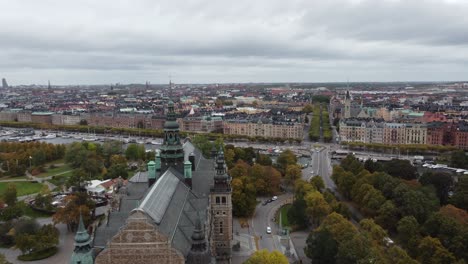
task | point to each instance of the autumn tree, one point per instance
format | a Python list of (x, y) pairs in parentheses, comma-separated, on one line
[(317, 207), (265, 257), (75, 204), (243, 197)]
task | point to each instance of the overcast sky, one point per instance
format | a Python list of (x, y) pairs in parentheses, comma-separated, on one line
[(109, 41)]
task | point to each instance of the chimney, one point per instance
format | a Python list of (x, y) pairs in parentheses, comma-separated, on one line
[(151, 173), (188, 173), (192, 160)]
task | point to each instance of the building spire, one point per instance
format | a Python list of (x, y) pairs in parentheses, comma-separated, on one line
[(83, 252), (199, 252)]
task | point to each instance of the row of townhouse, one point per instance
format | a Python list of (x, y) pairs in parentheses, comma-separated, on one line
[(283, 130), (267, 128), (372, 131), (378, 131)]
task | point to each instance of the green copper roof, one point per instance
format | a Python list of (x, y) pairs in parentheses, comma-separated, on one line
[(82, 235), (83, 252)]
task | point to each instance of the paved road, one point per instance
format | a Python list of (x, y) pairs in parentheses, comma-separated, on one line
[(262, 218)]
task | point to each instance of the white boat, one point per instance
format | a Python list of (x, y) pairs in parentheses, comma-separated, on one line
[(36, 137), (90, 138), (50, 136), (154, 142)]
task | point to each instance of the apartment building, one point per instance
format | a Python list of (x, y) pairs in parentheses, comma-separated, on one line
[(264, 128)]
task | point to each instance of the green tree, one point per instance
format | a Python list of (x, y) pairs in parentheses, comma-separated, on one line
[(419, 204), (459, 159), (351, 164), (285, 159), (229, 156), (317, 207), (203, 144), (442, 182), (264, 160), (297, 213), (377, 232), (408, 232), (243, 197), (387, 215), (135, 152), (25, 242), (265, 257), (431, 251), (321, 247), (116, 171), (399, 256), (358, 249), (9, 196), (401, 169), (460, 196), (318, 183), (293, 172)]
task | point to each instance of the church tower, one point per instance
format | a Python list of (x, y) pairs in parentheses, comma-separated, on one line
[(172, 151), (221, 212), (83, 252), (347, 105)]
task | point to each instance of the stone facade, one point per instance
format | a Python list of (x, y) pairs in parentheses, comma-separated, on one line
[(267, 130), (139, 242)]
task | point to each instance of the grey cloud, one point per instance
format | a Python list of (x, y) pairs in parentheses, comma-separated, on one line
[(298, 40)]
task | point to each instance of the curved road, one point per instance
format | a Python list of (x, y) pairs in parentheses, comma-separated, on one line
[(262, 218)]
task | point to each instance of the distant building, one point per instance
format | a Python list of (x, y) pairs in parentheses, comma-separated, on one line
[(201, 124), (264, 128), (4, 83)]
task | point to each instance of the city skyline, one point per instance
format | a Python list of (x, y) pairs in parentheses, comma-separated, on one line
[(221, 42)]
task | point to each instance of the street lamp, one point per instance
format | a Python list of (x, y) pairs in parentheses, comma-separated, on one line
[(30, 159)]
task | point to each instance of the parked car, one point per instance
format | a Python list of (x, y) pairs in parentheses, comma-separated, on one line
[(268, 230), (274, 198)]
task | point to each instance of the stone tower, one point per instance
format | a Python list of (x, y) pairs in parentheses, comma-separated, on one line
[(83, 252), (199, 252), (347, 105), (221, 212), (172, 151)]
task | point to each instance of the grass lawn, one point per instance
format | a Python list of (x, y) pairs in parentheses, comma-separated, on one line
[(60, 179), (28, 211), (22, 188), (38, 255), (55, 171), (284, 215)]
